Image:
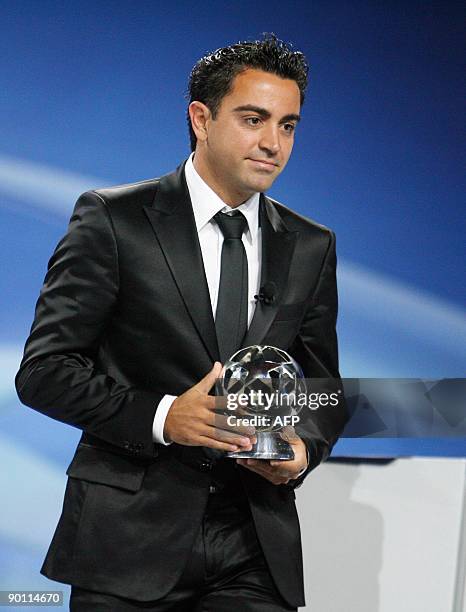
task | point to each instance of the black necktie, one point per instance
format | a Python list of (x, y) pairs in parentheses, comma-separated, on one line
[(231, 317)]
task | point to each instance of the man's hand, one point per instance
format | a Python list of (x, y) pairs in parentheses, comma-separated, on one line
[(280, 472), (192, 421)]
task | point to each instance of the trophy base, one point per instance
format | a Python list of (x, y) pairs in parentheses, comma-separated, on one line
[(270, 445)]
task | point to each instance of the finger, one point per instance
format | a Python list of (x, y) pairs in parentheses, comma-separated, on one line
[(280, 469), (223, 435), (260, 465), (206, 383), (208, 428), (291, 474), (229, 404), (292, 468), (289, 467), (211, 443), (272, 476), (242, 412), (221, 403), (225, 423)]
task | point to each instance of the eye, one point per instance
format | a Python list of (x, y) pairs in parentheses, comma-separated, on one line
[(254, 121), (289, 127)]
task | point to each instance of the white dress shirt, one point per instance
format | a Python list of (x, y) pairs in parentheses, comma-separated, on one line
[(206, 204)]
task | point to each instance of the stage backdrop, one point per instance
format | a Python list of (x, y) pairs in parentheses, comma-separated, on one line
[(92, 94)]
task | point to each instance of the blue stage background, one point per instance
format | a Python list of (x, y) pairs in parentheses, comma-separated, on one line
[(92, 95)]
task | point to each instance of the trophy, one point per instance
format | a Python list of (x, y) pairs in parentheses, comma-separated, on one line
[(261, 385)]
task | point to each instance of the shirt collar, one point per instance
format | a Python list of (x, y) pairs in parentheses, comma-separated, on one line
[(206, 202)]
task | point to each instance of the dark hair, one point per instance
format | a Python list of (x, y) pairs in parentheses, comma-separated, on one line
[(212, 76)]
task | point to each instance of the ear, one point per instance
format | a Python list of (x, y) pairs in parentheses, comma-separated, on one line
[(200, 116)]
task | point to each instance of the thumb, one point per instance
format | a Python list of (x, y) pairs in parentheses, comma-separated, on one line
[(289, 434), (206, 383)]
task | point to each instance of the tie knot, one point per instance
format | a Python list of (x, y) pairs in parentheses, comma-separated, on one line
[(232, 226)]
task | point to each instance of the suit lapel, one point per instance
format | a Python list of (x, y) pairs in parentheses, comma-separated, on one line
[(278, 244), (172, 219)]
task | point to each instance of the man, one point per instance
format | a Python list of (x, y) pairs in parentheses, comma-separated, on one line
[(145, 296)]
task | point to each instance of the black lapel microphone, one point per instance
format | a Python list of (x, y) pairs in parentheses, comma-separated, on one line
[(267, 293)]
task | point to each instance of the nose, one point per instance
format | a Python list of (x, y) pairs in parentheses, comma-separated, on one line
[(270, 140)]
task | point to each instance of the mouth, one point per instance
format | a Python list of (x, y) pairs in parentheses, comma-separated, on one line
[(265, 165)]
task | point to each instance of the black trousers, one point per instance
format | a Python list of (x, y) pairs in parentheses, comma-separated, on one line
[(226, 570)]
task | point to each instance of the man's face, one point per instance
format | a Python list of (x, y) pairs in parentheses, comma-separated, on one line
[(249, 142)]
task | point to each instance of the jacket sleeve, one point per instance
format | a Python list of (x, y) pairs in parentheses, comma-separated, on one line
[(316, 350), (58, 374)]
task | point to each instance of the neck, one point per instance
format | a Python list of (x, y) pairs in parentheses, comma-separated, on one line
[(231, 198)]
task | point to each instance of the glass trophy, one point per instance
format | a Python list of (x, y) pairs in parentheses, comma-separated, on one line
[(261, 385)]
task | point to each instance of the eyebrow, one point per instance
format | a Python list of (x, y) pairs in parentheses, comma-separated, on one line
[(263, 112)]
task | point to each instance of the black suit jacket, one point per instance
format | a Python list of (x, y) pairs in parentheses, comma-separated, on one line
[(124, 317)]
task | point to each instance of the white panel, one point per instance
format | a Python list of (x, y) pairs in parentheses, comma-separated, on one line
[(382, 538)]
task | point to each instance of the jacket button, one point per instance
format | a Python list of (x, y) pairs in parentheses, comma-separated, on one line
[(205, 466)]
